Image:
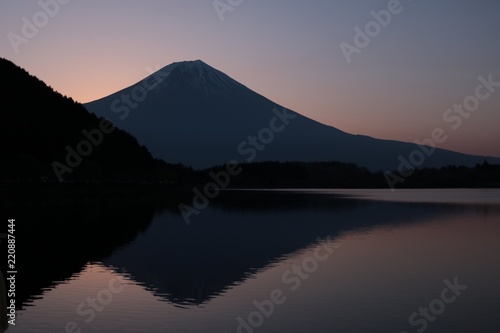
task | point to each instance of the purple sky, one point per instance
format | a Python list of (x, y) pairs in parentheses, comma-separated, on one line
[(398, 86)]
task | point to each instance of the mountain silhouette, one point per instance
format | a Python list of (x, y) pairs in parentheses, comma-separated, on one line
[(191, 113)]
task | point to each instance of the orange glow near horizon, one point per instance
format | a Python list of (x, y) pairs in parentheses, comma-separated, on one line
[(394, 89)]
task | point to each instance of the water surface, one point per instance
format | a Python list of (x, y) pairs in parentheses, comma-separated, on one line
[(333, 261)]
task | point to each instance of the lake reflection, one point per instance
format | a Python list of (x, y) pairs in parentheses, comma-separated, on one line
[(333, 261)]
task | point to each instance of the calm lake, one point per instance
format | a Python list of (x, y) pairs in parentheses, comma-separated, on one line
[(260, 261)]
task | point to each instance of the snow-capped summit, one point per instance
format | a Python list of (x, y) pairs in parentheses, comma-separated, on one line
[(198, 76), (201, 75), (199, 116)]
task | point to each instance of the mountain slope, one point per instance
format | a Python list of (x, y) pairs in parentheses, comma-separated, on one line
[(191, 113), (40, 127)]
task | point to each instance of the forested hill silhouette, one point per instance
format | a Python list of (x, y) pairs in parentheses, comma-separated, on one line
[(348, 175), (40, 127)]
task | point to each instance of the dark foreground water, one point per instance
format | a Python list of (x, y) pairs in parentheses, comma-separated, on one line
[(260, 261)]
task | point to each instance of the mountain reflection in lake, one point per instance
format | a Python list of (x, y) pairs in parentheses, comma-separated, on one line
[(150, 272)]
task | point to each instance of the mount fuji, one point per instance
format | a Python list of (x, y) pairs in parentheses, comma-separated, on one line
[(191, 113)]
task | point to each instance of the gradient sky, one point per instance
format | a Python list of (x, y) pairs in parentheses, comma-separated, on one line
[(427, 58)]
